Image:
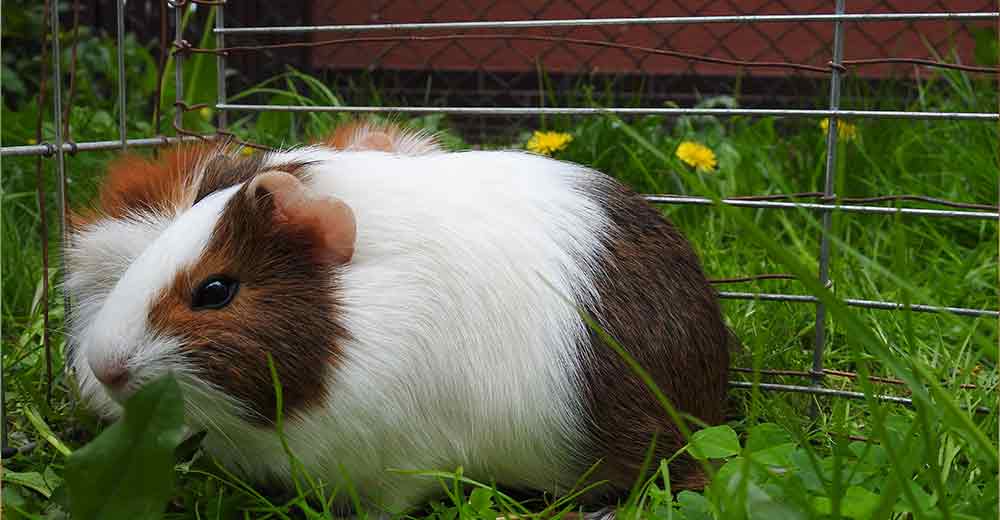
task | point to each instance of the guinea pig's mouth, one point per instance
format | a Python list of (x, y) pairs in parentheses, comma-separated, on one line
[(204, 405), (122, 389), (121, 392)]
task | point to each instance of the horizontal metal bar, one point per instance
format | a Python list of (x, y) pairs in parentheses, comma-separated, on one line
[(921, 212), (50, 149), (509, 111), (854, 302), (775, 387), (591, 22)]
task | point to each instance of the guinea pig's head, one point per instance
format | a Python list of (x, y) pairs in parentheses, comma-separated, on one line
[(242, 267)]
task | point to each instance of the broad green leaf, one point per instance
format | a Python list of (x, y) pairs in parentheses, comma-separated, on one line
[(925, 501), (46, 432), (127, 472), (804, 469), (766, 435), (480, 499), (729, 473), (769, 444), (59, 497), (775, 455), (34, 480), (694, 506), (763, 506), (716, 442), (858, 503)]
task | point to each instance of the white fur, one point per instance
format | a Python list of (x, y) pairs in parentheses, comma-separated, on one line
[(99, 255), (110, 324), (463, 350)]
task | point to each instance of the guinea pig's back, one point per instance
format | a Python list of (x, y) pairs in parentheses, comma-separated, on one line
[(460, 305), (655, 301), (462, 300)]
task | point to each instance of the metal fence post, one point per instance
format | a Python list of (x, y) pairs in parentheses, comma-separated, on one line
[(828, 194), (122, 129), (220, 65), (59, 152), (178, 65)]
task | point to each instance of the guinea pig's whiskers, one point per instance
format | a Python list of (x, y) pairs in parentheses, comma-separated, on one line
[(67, 335), (208, 420)]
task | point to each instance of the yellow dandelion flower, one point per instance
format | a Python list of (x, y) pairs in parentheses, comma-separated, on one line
[(246, 150), (32, 140), (205, 113), (547, 143), (845, 130), (697, 155)]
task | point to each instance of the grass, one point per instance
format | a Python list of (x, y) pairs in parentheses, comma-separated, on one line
[(855, 459)]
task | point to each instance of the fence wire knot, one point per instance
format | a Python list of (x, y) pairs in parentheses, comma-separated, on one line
[(182, 47), (188, 108), (838, 67)]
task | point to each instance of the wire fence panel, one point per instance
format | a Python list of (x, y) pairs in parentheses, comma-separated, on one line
[(505, 72), (789, 35)]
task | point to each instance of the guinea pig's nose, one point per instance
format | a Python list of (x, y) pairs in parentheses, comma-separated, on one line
[(113, 376)]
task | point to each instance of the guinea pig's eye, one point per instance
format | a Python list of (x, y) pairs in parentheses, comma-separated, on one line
[(214, 293)]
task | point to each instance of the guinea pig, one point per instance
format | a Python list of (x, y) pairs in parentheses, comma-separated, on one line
[(424, 310)]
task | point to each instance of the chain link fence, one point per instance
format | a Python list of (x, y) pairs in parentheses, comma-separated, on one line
[(508, 72)]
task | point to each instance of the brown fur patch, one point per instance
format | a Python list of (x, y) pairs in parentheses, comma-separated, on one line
[(357, 135), (136, 184), (223, 171), (656, 302), (383, 137), (286, 306)]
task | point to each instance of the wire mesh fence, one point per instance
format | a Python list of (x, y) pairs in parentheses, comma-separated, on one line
[(661, 24), (478, 70), (503, 72), (788, 39)]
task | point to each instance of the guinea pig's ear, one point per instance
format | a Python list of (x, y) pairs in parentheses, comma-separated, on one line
[(326, 222)]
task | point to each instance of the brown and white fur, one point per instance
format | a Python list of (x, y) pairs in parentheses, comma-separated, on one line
[(421, 308)]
